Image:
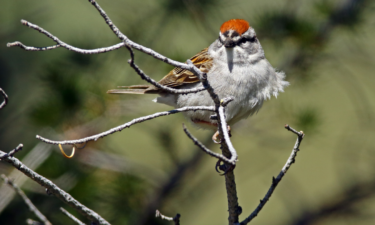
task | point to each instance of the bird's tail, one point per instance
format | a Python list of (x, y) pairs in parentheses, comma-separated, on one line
[(134, 89)]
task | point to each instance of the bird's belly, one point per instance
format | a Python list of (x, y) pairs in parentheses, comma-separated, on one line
[(241, 87)]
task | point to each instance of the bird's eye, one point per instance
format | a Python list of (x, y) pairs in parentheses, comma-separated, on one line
[(246, 40)]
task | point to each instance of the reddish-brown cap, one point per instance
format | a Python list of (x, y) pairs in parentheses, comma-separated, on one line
[(239, 25)]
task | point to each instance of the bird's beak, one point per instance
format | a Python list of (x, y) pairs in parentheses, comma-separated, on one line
[(229, 43)]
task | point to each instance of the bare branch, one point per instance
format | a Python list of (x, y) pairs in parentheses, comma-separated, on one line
[(275, 181), (126, 125), (156, 84), (293, 155), (59, 43), (228, 151), (205, 149), (5, 102), (141, 48), (77, 221), (175, 219), (12, 152), (224, 128), (55, 190), (26, 200)]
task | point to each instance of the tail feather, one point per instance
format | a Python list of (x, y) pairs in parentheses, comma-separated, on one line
[(127, 91), (135, 87)]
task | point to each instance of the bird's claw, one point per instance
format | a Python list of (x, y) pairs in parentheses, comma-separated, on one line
[(216, 136)]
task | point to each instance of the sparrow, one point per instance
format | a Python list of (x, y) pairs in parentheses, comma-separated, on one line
[(236, 67)]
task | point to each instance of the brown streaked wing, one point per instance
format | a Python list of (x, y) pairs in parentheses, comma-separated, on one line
[(178, 76)]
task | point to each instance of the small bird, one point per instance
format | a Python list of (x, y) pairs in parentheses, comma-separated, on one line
[(236, 67)]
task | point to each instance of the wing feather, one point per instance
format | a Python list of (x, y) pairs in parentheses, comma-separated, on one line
[(175, 78), (178, 77)]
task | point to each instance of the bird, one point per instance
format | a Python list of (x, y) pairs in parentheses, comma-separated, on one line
[(236, 67)]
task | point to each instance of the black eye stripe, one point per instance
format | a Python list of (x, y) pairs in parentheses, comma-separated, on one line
[(245, 39)]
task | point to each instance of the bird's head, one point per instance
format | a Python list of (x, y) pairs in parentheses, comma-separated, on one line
[(235, 32)]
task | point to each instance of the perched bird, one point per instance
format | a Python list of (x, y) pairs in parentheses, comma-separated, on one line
[(236, 67)]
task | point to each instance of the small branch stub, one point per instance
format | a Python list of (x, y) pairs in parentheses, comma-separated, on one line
[(5, 102), (175, 219), (12, 152)]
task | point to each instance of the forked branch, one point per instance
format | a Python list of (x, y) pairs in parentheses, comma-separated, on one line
[(276, 181), (12, 152), (205, 149), (59, 43), (126, 125), (28, 202), (5, 102), (55, 190)]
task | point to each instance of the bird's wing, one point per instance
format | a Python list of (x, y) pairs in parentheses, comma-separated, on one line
[(178, 77)]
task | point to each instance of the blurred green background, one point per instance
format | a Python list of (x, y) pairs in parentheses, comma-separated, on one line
[(326, 48)]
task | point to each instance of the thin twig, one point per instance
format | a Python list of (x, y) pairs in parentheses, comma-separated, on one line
[(59, 43), (77, 221), (205, 149), (5, 102), (175, 219), (141, 48), (155, 83), (12, 152), (32, 222), (224, 128), (275, 181), (26, 200), (55, 190), (126, 125)]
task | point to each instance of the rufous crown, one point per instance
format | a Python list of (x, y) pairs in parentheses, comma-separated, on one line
[(239, 25)]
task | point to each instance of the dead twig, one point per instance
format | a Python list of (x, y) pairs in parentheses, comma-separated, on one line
[(12, 152), (126, 125), (5, 102), (55, 190), (175, 219), (77, 221), (59, 43), (276, 181), (26, 200), (205, 149)]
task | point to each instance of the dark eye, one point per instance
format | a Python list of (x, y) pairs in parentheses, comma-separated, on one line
[(245, 39)]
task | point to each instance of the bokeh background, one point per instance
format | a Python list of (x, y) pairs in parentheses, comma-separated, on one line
[(326, 48)]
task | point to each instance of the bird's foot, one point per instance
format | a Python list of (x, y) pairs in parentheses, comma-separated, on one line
[(216, 136)]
